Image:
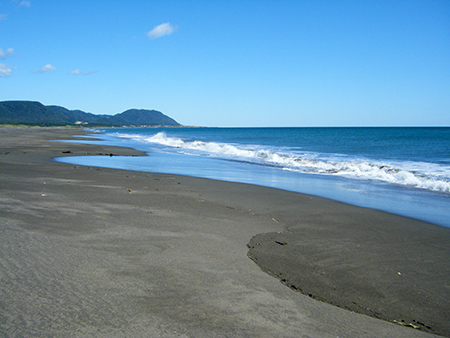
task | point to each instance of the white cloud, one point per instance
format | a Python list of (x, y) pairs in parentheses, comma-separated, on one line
[(161, 30), (82, 72), (5, 53), (46, 68), (24, 3), (6, 70)]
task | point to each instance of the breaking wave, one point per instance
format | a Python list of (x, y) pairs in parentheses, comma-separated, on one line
[(414, 174)]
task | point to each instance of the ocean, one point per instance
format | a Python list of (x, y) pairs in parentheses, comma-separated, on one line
[(401, 170)]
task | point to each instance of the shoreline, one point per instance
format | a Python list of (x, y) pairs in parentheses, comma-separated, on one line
[(422, 204), (114, 252)]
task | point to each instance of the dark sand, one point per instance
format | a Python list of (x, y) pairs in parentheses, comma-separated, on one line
[(92, 252)]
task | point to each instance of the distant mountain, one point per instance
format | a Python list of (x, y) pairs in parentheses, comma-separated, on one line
[(35, 113), (28, 112), (139, 117), (75, 115)]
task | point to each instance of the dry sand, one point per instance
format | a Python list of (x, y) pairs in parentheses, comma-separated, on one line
[(92, 252)]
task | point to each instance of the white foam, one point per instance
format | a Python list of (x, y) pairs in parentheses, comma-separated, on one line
[(415, 174)]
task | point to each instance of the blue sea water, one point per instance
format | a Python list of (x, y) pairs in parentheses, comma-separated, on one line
[(401, 170)]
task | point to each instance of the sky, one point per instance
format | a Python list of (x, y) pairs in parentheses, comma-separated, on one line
[(225, 63)]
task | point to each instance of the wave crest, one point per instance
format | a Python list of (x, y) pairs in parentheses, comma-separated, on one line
[(401, 173)]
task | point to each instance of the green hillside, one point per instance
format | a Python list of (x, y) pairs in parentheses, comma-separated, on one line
[(35, 113)]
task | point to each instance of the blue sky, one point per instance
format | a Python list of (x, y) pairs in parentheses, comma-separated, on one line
[(233, 63)]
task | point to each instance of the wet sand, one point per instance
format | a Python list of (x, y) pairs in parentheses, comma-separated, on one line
[(93, 252)]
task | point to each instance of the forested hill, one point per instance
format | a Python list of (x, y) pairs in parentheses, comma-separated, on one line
[(35, 113)]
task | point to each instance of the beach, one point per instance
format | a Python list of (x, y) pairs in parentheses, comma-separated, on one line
[(96, 252)]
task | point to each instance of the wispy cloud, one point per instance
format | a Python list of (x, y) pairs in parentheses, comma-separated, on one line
[(3, 17), (161, 30), (24, 3), (6, 70), (5, 53), (82, 72), (46, 68)]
